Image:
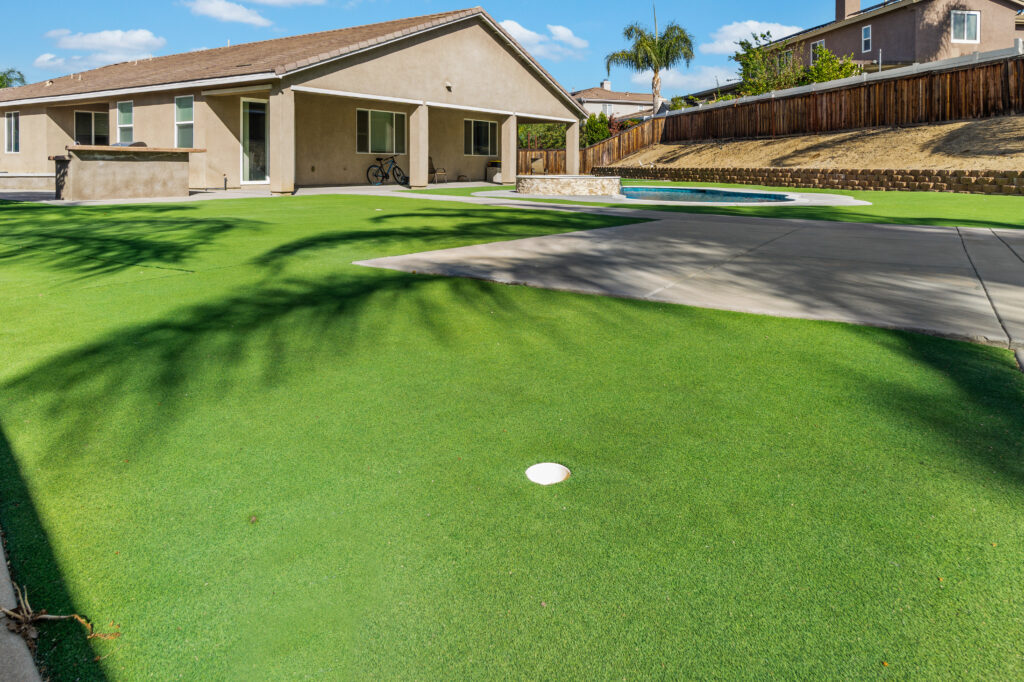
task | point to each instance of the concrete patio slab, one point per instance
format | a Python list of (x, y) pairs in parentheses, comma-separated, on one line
[(963, 284), (16, 664)]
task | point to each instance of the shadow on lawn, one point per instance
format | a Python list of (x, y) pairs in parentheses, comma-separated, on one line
[(116, 237), (62, 645)]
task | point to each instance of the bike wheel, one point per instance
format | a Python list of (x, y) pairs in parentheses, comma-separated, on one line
[(376, 175), (400, 176)]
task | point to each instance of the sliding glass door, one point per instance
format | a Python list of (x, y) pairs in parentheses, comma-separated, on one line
[(255, 141)]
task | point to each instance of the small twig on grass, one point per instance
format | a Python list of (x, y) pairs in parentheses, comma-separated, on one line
[(22, 619)]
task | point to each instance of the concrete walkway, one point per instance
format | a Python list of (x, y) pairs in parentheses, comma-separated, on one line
[(16, 664), (958, 283)]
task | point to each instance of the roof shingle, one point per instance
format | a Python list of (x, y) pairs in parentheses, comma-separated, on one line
[(279, 56)]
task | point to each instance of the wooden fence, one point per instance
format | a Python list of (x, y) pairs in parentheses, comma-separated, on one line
[(629, 141), (541, 161), (980, 91)]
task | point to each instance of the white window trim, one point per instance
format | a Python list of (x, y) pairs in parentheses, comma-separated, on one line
[(8, 116), (117, 120), (181, 123), (94, 115), (814, 49), (369, 140), (497, 138), (241, 142), (952, 35), (869, 40)]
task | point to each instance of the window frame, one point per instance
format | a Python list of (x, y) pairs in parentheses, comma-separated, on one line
[(491, 143), (814, 51), (952, 26), (394, 132), (867, 40), (93, 115), (9, 148), (178, 124), (607, 109), (119, 126)]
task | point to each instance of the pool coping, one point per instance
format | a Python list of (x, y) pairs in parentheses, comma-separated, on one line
[(794, 198)]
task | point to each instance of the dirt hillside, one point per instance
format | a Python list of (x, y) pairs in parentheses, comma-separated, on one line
[(988, 144)]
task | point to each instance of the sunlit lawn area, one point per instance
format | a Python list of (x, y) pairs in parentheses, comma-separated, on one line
[(256, 460), (890, 208)]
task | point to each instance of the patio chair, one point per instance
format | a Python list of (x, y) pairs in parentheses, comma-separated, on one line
[(436, 174)]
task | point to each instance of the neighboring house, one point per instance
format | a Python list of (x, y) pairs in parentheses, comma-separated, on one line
[(902, 32), (306, 110), (613, 104)]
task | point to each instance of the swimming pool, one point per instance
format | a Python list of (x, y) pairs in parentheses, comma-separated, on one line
[(697, 195)]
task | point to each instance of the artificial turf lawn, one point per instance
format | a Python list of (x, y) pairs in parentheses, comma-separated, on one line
[(263, 462), (890, 208)]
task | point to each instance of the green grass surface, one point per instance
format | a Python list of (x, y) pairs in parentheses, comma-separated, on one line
[(263, 462), (891, 208)]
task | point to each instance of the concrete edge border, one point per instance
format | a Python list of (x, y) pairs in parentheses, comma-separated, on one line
[(1019, 354), (18, 665)]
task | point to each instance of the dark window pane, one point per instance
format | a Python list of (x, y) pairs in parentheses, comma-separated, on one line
[(83, 127), (363, 132)]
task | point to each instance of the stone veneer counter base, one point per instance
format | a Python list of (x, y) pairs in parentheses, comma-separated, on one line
[(569, 185)]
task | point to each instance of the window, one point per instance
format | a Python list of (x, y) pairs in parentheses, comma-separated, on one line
[(12, 132), (786, 58), (966, 26), (865, 39), (815, 46), (125, 122), (184, 120), (380, 132), (607, 109), (481, 138), (92, 128)]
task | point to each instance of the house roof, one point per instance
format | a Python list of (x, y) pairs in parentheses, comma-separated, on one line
[(267, 58), (602, 95)]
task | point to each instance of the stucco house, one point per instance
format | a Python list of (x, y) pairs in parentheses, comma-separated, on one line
[(903, 32), (306, 110), (613, 103)]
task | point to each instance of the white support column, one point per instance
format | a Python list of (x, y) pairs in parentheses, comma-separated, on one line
[(509, 150), (282, 141), (419, 147), (572, 149)]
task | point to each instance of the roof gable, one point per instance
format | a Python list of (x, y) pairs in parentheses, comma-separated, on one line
[(269, 59)]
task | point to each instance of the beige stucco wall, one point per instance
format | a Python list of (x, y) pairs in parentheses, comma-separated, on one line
[(325, 140), (126, 175), (482, 72)]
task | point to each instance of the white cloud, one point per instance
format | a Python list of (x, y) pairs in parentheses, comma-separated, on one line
[(695, 80), (565, 35), (726, 38), (560, 43), (227, 11), (137, 41), (49, 62), (103, 47)]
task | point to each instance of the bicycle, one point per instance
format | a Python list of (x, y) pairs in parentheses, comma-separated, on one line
[(380, 172)]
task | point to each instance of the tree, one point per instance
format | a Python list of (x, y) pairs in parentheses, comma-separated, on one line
[(766, 65), (653, 52), (595, 129), (11, 78), (828, 67), (542, 136)]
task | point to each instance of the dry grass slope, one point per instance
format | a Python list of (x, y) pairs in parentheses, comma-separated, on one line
[(988, 144)]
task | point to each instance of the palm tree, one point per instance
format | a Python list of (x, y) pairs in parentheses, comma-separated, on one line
[(11, 77), (653, 52)]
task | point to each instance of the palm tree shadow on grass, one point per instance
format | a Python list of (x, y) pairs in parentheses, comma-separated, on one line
[(100, 240), (63, 645)]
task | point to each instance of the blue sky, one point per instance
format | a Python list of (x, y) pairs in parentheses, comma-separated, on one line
[(570, 37)]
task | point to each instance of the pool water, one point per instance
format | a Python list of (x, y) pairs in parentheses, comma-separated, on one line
[(701, 195)]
